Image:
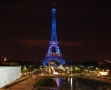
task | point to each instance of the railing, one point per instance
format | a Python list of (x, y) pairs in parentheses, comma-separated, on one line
[(49, 88), (104, 88), (80, 86)]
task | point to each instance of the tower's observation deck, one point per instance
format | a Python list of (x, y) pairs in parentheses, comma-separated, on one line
[(53, 54)]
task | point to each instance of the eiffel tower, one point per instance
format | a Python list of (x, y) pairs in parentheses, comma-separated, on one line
[(53, 45)]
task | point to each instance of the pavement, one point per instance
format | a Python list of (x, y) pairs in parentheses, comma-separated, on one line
[(26, 84)]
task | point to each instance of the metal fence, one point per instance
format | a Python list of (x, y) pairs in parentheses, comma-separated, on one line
[(80, 86), (104, 88)]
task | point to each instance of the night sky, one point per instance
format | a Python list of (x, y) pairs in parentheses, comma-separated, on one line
[(83, 29)]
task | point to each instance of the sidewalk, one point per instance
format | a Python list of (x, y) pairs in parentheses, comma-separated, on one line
[(24, 85)]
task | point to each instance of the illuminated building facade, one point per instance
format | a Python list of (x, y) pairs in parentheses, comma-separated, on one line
[(57, 56), (5, 59)]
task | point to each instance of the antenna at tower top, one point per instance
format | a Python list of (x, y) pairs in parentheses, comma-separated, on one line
[(53, 3)]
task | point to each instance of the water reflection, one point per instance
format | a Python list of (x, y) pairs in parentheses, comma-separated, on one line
[(64, 82), (58, 81), (68, 80), (71, 83)]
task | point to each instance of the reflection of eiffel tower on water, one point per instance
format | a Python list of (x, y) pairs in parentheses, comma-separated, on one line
[(57, 56)]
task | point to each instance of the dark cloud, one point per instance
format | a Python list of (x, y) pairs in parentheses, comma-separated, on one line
[(44, 43), (31, 42), (71, 44)]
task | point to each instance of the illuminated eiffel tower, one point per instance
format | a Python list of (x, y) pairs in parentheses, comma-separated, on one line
[(57, 56)]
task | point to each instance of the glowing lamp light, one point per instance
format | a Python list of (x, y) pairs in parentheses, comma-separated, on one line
[(103, 73), (107, 70), (55, 73), (96, 68)]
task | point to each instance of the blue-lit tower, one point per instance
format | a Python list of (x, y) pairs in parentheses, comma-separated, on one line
[(57, 56)]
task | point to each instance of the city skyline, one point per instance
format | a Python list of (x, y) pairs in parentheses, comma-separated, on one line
[(83, 29)]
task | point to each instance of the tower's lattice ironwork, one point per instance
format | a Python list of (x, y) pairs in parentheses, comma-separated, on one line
[(57, 56)]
